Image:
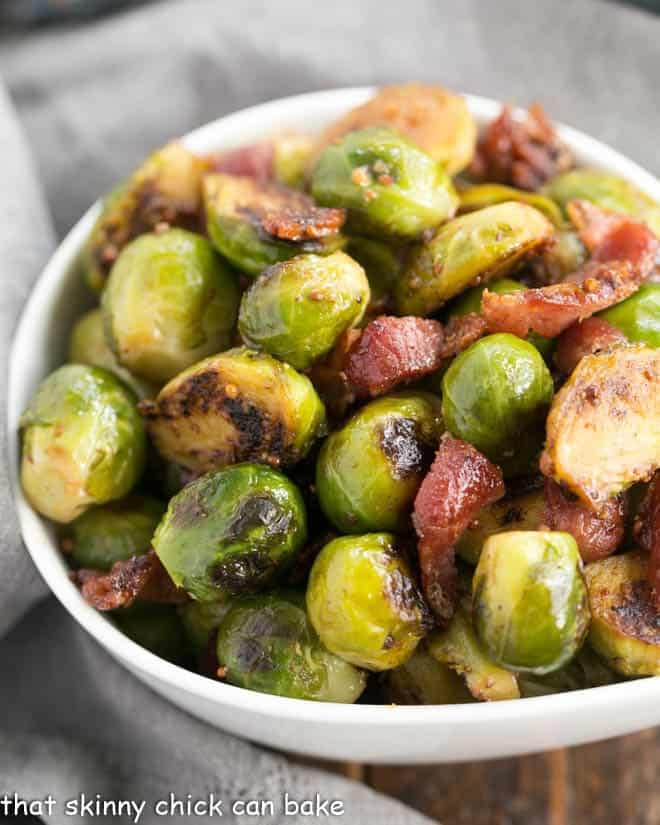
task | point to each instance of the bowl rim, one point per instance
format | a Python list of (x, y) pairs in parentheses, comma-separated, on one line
[(50, 566)]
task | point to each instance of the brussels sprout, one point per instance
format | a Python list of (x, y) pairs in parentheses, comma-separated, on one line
[(231, 532), (624, 621), (605, 190), (470, 301), (83, 442), (240, 405), (169, 301), (364, 602), (564, 255), (496, 395), (165, 189), (112, 532), (156, 627), (422, 680), (382, 262), (469, 250), (488, 194), (296, 310), (458, 648), (389, 186), (368, 472), (256, 224), (585, 670), (266, 643), (530, 602), (638, 317), (433, 118), (88, 345), (291, 154), (201, 620), (523, 512)]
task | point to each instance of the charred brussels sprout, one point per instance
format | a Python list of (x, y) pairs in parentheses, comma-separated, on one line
[(423, 680), (165, 189), (231, 532), (364, 603), (240, 405), (624, 622), (266, 643), (470, 301), (488, 194), (296, 310), (469, 250), (496, 395), (389, 186), (83, 442), (112, 532), (530, 601), (156, 627), (605, 190), (368, 472), (458, 648), (256, 224), (88, 345), (638, 317), (201, 621), (523, 512), (169, 302)]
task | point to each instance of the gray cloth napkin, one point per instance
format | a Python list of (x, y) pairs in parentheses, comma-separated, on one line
[(93, 100)]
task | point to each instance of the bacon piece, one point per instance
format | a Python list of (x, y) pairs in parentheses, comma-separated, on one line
[(253, 161), (648, 535), (460, 482), (585, 338), (140, 577), (524, 153), (310, 223), (393, 351), (597, 534)]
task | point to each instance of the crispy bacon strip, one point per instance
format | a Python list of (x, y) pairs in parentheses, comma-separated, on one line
[(300, 225), (524, 153), (140, 577), (597, 534), (253, 161), (393, 351), (460, 482), (623, 255), (585, 338), (648, 535)]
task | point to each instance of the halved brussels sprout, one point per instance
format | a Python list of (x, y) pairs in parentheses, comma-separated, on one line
[(585, 670), (88, 345), (433, 118), (458, 648), (470, 301), (364, 602), (156, 627), (296, 310), (606, 190), (231, 532), (423, 680), (240, 405), (488, 194), (166, 189), (638, 317), (169, 301), (469, 250), (383, 263), (390, 187), (530, 603), (368, 472), (496, 395), (201, 621), (266, 643), (625, 629), (523, 512), (112, 532), (256, 224), (83, 442)]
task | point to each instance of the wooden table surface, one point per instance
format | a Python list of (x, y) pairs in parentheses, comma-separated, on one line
[(610, 783)]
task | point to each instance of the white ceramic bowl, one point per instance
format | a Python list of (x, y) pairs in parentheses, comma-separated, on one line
[(367, 733)]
